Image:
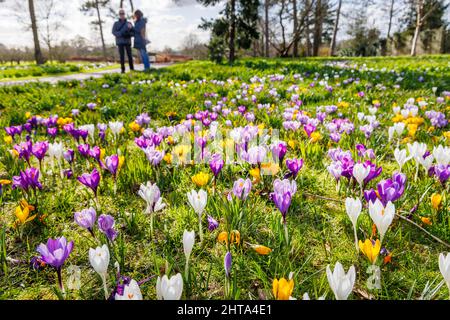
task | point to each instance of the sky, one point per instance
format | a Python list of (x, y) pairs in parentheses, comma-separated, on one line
[(168, 23)]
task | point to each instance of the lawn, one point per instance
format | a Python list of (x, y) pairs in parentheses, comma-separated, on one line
[(328, 129)]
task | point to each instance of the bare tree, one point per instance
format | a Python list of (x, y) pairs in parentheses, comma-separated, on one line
[(37, 47), (50, 16), (421, 16), (335, 29), (266, 27), (295, 27), (91, 6)]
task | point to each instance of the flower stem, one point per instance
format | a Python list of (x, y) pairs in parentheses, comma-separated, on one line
[(356, 240), (186, 270), (151, 224), (200, 231), (105, 287), (60, 283), (286, 236)]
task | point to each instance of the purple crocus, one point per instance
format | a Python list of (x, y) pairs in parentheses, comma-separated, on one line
[(27, 179), (212, 223), (279, 151), (227, 263), (68, 155), (91, 180), (52, 132), (388, 190), (283, 202), (294, 166), (55, 253), (24, 149), (241, 188), (106, 226), (216, 163), (112, 164), (442, 172), (86, 218), (83, 149), (40, 149), (374, 171), (309, 128)]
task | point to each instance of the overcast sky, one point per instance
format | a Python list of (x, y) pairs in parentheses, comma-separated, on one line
[(169, 23)]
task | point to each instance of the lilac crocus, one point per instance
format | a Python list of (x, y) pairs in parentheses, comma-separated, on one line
[(294, 166), (442, 172), (52, 132), (86, 218), (241, 188), (283, 190), (216, 163), (373, 173), (91, 180), (83, 149), (112, 164), (227, 263), (95, 153), (68, 155), (106, 226), (24, 149), (212, 223), (309, 128)]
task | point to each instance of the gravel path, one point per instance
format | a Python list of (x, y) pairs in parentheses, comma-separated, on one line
[(79, 76)]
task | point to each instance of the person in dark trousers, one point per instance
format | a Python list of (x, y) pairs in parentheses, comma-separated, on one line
[(140, 38), (123, 31)]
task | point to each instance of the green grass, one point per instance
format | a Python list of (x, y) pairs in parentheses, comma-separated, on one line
[(319, 229)]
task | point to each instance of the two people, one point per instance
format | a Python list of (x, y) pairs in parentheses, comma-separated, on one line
[(124, 30)]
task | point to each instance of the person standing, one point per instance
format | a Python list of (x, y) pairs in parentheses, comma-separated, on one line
[(123, 30), (140, 38)]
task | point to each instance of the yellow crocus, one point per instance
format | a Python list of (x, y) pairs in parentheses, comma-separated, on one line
[(235, 237), (200, 179), (262, 250), (8, 139), (282, 289), (168, 158), (315, 136), (436, 200), (255, 173), (426, 220), (23, 214), (134, 126), (371, 250)]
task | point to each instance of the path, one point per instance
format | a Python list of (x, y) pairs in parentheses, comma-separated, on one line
[(79, 76)]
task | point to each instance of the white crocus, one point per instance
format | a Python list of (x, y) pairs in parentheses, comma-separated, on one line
[(426, 162), (400, 157), (340, 282), (55, 150), (99, 259), (152, 196), (381, 216), (353, 208), (198, 202), (188, 244), (116, 127), (169, 289), (444, 267), (131, 291), (442, 155), (360, 172)]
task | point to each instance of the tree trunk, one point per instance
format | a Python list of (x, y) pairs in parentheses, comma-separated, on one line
[(318, 21), (335, 29), (121, 4), (100, 26), (37, 48), (308, 42), (391, 13), (266, 28), (419, 10), (232, 31), (132, 6), (295, 20)]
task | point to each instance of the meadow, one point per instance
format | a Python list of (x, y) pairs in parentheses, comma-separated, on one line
[(251, 181)]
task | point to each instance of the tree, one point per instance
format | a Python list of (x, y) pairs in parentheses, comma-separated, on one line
[(50, 16), (237, 27), (95, 6), (335, 29), (37, 47)]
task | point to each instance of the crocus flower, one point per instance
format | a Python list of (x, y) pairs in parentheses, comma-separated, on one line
[(91, 180), (151, 194), (106, 226), (99, 259), (86, 218), (444, 267), (55, 150), (227, 263), (55, 253), (198, 200), (279, 151), (68, 155), (373, 171), (241, 188), (400, 157), (442, 172), (381, 216), (212, 223), (27, 179), (442, 155), (360, 172), (112, 164), (282, 288), (436, 200), (116, 127), (392, 189), (294, 166), (169, 289), (188, 243), (131, 291), (371, 249), (353, 208), (40, 149), (200, 179), (216, 163), (24, 150), (341, 283)]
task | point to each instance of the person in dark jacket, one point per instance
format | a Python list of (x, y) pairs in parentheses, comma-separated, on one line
[(123, 31), (140, 38)]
